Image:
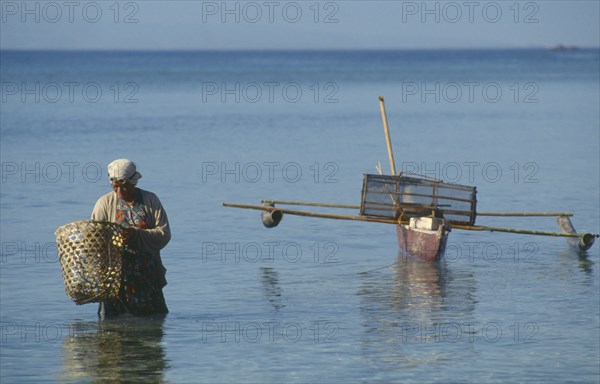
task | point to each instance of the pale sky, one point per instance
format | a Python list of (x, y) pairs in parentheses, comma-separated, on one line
[(197, 25)]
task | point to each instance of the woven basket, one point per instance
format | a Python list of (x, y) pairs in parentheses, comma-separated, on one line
[(90, 254)]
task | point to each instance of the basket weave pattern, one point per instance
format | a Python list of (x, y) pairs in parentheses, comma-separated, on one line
[(90, 254)]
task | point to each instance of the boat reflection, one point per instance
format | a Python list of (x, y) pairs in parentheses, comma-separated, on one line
[(412, 305), (123, 350)]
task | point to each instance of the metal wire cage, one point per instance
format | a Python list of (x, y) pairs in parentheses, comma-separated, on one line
[(90, 254), (403, 196)]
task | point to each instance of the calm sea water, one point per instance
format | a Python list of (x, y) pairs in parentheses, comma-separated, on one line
[(311, 300)]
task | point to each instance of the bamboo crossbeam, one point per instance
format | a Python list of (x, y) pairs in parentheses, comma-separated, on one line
[(388, 221), (519, 231), (312, 214), (517, 214), (348, 206), (310, 204)]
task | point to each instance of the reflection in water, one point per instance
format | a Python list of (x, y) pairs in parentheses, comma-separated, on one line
[(121, 350), (567, 257), (271, 287), (413, 306)]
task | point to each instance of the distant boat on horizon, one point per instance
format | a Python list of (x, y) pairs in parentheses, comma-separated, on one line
[(562, 47)]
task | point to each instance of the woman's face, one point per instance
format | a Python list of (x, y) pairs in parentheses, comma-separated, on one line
[(124, 189)]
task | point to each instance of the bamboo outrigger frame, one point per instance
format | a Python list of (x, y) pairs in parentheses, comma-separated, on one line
[(268, 208), (401, 211)]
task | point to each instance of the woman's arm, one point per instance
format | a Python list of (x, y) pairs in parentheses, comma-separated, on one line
[(158, 237)]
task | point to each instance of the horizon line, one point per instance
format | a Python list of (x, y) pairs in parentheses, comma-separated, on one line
[(558, 47)]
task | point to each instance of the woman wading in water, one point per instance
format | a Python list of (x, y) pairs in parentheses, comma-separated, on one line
[(147, 231)]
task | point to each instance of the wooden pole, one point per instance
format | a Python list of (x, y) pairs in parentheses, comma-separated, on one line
[(389, 221), (312, 214), (349, 206), (533, 214), (387, 135), (519, 231), (310, 204)]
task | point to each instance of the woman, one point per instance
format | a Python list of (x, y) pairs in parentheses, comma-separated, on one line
[(146, 230)]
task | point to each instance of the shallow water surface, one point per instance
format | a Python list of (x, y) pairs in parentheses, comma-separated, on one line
[(311, 300)]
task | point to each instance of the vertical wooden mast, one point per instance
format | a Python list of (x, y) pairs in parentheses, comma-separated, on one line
[(387, 136)]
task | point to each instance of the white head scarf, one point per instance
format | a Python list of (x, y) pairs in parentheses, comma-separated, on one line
[(123, 169)]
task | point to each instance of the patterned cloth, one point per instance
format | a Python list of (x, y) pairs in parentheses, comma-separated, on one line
[(141, 288)]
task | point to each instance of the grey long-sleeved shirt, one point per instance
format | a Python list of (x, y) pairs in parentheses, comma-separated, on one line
[(150, 240)]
